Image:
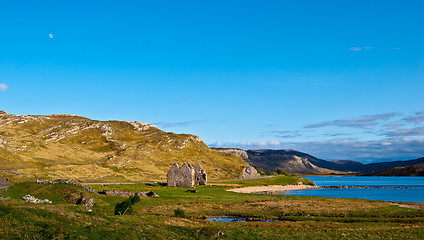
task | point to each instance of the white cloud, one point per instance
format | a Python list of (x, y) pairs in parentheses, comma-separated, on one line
[(358, 49), (355, 49), (267, 144), (3, 87), (50, 35)]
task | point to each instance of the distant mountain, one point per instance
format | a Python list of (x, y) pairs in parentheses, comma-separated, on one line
[(412, 170), (302, 163), (348, 165), (78, 148), (290, 161), (385, 165)]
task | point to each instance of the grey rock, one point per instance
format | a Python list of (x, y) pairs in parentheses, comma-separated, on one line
[(249, 173), (152, 194), (32, 199), (219, 233)]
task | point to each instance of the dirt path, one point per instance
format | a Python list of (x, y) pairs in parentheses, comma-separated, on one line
[(109, 183)]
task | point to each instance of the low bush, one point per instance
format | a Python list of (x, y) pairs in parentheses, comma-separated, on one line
[(281, 172), (179, 213), (125, 207)]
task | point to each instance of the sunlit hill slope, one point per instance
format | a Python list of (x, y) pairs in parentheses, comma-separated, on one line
[(69, 146)]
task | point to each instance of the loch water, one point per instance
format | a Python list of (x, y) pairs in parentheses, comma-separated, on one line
[(404, 189)]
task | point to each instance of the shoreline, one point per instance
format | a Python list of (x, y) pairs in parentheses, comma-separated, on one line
[(270, 189)]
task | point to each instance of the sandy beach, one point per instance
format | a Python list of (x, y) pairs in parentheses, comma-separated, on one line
[(271, 189)]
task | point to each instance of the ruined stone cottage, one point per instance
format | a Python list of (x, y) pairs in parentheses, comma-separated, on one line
[(186, 176)]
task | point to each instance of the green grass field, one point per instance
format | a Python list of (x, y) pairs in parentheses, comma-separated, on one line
[(154, 218)]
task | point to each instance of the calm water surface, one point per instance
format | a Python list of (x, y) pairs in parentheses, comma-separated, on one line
[(413, 190)]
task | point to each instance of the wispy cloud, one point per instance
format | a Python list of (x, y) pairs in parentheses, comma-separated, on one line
[(337, 134), (176, 124), (3, 87), (248, 145), (282, 134), (358, 49), (50, 35), (417, 119), (419, 131), (394, 125), (360, 122), (185, 98)]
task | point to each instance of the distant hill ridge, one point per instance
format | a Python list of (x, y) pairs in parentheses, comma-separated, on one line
[(302, 163), (411, 170), (78, 148)]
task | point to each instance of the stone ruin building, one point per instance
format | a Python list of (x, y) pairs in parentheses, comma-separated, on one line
[(186, 176)]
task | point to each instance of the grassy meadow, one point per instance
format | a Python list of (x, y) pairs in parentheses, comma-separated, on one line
[(155, 218)]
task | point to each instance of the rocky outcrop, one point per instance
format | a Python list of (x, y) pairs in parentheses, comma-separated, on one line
[(81, 199), (123, 193), (32, 199), (141, 126), (249, 173), (186, 176), (233, 151), (11, 172)]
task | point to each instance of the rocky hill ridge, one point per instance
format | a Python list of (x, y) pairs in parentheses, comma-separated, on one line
[(78, 148)]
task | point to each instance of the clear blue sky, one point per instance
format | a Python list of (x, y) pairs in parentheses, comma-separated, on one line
[(336, 79)]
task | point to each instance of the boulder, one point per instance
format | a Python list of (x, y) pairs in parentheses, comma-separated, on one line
[(249, 173), (32, 199)]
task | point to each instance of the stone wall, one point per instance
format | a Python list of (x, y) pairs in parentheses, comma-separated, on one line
[(200, 175), (187, 176)]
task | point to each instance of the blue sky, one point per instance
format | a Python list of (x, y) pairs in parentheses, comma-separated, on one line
[(336, 79)]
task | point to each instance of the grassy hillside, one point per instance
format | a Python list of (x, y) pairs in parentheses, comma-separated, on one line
[(154, 218), (73, 147)]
